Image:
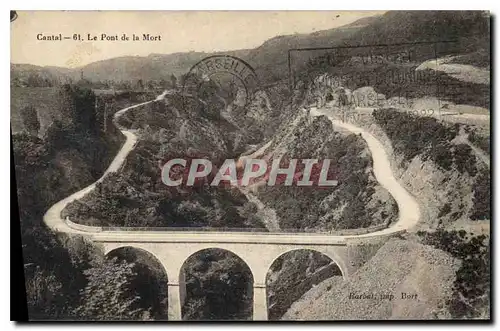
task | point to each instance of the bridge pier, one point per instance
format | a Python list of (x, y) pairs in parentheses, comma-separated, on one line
[(174, 302), (259, 302)]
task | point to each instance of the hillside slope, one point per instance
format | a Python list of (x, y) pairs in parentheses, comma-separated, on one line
[(358, 201), (424, 274)]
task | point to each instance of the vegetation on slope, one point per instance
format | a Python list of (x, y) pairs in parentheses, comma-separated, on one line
[(480, 58), (471, 289), (58, 268), (480, 140), (426, 136), (136, 196), (218, 287), (482, 197), (430, 139), (356, 202)]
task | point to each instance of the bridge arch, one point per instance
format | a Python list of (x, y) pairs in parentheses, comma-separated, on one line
[(293, 273), (229, 277), (152, 286), (327, 251), (109, 250)]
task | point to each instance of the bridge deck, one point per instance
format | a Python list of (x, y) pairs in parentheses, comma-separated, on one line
[(219, 237)]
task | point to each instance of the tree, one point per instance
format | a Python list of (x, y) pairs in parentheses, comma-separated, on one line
[(163, 84), (481, 199), (34, 80), (125, 86), (42, 292), (217, 287), (173, 81), (30, 120), (107, 295), (78, 106), (140, 85), (150, 85)]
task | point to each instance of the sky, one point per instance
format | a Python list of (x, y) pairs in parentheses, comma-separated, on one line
[(179, 31)]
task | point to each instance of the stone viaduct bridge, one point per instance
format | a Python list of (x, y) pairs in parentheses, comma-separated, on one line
[(257, 250)]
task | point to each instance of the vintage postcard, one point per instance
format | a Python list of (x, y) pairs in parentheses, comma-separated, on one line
[(258, 165)]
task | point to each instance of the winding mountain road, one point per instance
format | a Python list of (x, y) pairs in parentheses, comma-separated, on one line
[(52, 217), (464, 72), (409, 212)]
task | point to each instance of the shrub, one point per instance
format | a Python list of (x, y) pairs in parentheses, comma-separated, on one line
[(471, 288), (482, 198), (425, 136), (483, 142)]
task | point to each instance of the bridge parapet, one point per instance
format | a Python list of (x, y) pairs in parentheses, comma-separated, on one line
[(81, 227), (344, 232), (215, 238)]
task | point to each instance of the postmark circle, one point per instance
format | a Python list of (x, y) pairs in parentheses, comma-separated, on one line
[(226, 78)]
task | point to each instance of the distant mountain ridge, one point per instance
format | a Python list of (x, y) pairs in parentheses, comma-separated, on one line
[(160, 66), (270, 60)]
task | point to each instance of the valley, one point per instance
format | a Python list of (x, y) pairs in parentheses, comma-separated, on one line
[(410, 212)]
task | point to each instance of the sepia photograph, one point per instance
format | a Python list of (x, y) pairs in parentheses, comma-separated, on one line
[(251, 165)]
